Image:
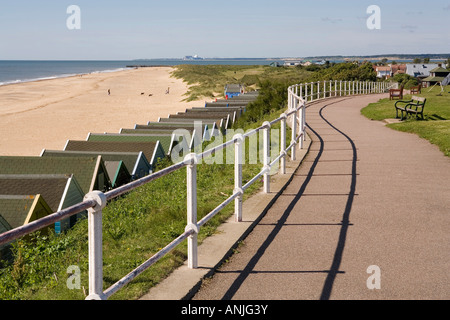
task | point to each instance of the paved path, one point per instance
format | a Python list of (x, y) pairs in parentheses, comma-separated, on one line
[(365, 195)]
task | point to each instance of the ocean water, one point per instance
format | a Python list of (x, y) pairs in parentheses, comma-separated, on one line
[(24, 71)]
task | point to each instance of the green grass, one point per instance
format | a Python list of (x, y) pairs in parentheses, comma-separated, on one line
[(209, 81), (436, 124)]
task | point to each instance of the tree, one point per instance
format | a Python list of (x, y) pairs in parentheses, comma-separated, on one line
[(426, 60), (417, 60)]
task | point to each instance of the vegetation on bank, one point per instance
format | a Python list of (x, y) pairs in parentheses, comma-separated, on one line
[(436, 124), (142, 222)]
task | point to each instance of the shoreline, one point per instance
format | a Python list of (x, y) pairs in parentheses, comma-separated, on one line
[(45, 114), (62, 76)]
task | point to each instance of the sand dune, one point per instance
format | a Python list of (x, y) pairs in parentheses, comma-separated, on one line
[(45, 114)]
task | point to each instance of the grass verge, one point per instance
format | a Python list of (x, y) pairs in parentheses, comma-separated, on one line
[(436, 124)]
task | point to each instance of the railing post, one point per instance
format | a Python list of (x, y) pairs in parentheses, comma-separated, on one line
[(312, 91), (238, 162), (266, 159), (294, 135), (299, 114), (283, 144), (95, 238), (191, 179)]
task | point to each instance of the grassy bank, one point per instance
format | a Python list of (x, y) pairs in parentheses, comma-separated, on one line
[(436, 124), (209, 81)]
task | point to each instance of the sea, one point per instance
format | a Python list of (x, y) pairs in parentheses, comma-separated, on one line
[(26, 71)]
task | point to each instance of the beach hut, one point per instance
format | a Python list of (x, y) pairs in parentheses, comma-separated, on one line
[(90, 172), (19, 210), (58, 191), (166, 140), (152, 151), (118, 173), (233, 90), (135, 162)]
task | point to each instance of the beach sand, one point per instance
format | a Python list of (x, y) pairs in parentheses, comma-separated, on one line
[(45, 114)]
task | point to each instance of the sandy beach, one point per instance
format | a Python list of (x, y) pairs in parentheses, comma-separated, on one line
[(45, 114)]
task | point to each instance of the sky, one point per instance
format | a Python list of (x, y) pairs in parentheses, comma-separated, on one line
[(149, 29)]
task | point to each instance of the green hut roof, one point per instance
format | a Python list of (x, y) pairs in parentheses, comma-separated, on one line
[(87, 170), (51, 187), (165, 140)]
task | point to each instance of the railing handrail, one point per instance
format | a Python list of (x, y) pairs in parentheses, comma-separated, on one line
[(94, 202)]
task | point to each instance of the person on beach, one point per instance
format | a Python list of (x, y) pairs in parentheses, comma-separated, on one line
[(109, 92), (167, 91)]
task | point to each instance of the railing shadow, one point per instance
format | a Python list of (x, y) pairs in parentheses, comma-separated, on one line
[(281, 222), (345, 223)]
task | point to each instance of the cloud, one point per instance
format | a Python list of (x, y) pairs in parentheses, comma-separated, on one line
[(410, 28), (331, 20), (414, 12)]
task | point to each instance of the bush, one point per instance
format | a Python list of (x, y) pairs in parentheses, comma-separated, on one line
[(405, 80)]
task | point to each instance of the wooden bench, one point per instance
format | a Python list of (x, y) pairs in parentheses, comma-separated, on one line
[(416, 90), (396, 93), (410, 107)]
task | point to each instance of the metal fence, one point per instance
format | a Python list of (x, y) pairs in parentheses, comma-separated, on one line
[(295, 117)]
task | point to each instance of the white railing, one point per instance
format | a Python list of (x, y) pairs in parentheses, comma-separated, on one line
[(94, 202)]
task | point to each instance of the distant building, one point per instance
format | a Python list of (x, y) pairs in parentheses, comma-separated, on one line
[(386, 72), (292, 63), (419, 70), (437, 75), (194, 57), (383, 72), (398, 69)]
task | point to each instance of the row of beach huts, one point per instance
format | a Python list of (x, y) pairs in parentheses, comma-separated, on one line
[(33, 187)]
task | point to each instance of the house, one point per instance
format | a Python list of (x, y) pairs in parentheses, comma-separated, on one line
[(152, 150), (420, 71), (135, 162), (292, 63), (398, 69), (437, 75), (56, 192), (233, 90), (383, 72), (90, 172)]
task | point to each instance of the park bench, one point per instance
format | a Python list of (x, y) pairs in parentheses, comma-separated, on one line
[(416, 90), (396, 93), (413, 106)]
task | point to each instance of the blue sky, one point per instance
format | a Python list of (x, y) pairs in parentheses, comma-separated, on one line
[(133, 29)]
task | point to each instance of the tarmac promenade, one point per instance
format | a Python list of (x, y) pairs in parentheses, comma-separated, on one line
[(366, 216), (365, 195)]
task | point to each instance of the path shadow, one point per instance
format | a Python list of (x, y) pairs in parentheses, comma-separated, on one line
[(345, 223), (334, 270)]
